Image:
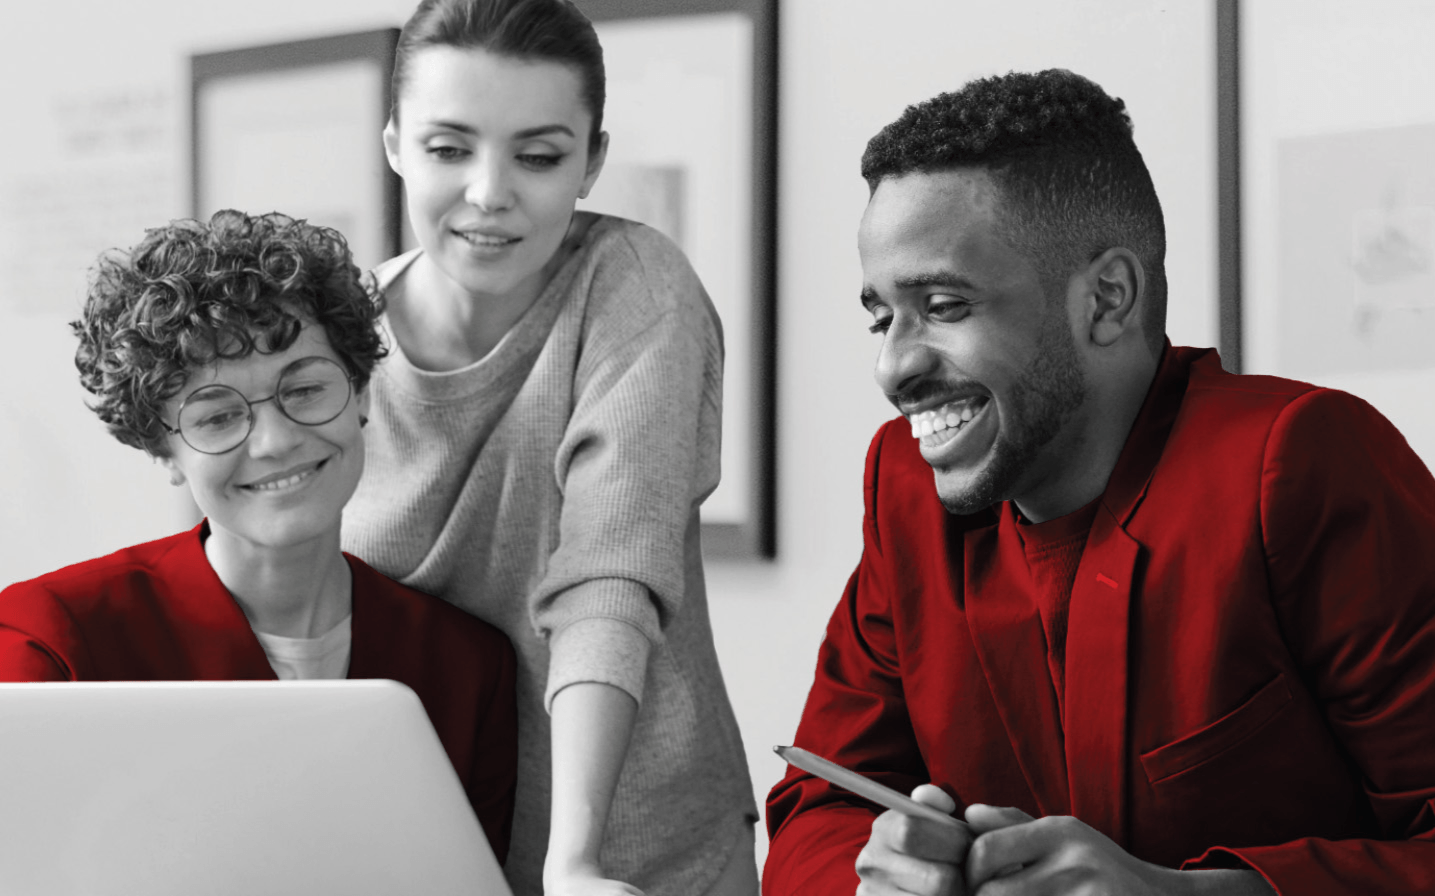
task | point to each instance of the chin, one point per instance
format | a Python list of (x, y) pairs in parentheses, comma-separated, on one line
[(967, 492)]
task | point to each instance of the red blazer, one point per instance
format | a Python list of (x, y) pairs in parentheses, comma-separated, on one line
[(1250, 656), (158, 612)]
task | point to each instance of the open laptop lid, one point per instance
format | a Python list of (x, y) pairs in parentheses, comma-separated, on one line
[(297, 787)]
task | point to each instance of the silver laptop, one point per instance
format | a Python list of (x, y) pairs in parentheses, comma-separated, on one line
[(243, 788)]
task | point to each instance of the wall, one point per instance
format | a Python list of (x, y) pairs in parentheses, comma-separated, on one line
[(69, 492), (1327, 69)]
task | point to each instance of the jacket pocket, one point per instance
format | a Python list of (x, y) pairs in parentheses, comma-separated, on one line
[(1228, 731)]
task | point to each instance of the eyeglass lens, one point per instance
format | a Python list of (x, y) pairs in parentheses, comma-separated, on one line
[(217, 418)]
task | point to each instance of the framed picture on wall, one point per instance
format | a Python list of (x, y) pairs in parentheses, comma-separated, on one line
[(296, 127), (691, 115), (1329, 232), (1334, 237)]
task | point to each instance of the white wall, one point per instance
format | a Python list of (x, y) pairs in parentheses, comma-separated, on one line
[(69, 492), (1320, 68)]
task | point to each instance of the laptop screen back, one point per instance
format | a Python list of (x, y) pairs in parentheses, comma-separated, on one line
[(225, 788)]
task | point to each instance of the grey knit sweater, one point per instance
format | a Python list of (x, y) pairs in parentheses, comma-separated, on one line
[(552, 489)]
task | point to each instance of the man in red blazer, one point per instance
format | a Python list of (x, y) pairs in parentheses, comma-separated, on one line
[(1157, 629)]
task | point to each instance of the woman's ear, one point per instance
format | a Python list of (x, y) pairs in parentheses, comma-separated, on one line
[(391, 146), (595, 166), (363, 400), (176, 475)]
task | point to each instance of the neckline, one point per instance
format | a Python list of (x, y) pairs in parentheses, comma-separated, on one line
[(388, 273)]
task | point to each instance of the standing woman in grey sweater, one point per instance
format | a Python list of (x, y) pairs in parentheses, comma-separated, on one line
[(540, 439)]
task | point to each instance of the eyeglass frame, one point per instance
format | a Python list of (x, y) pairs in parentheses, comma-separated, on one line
[(278, 405)]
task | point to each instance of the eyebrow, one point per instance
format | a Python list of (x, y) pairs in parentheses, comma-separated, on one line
[(916, 281), (541, 130)]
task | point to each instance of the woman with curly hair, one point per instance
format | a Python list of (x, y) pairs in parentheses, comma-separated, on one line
[(543, 435), (237, 353)]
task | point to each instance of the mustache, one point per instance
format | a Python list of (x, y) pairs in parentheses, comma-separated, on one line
[(925, 390)]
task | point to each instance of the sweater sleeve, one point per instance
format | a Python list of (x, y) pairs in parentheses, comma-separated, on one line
[(639, 454), (1348, 513)]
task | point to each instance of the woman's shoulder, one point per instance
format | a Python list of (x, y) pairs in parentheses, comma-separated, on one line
[(386, 272), (637, 268), (615, 239), (101, 588), (146, 559)]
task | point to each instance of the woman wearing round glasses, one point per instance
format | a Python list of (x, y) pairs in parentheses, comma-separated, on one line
[(237, 353)]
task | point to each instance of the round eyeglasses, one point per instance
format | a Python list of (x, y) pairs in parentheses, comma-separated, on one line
[(217, 419)]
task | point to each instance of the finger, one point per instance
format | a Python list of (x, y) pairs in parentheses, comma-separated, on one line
[(1022, 880), (885, 872), (1001, 852), (936, 797), (984, 818), (920, 837)]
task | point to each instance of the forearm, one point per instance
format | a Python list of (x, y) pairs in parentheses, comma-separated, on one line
[(1222, 882), (592, 724)]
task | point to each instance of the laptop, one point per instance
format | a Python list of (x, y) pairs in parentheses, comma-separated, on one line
[(306, 788)]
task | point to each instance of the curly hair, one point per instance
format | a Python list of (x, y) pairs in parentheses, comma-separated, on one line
[(1060, 152), (192, 293)]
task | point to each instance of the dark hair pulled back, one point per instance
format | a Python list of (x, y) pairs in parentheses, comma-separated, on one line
[(536, 30)]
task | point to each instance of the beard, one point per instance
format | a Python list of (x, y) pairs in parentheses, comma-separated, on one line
[(1039, 405)]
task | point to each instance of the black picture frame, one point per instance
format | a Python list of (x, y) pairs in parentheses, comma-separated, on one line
[(1230, 334), (753, 536), (371, 221)]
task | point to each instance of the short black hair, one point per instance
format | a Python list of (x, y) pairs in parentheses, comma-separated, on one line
[(193, 292), (1060, 152)]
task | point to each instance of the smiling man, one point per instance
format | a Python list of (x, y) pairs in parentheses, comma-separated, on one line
[(1154, 628)]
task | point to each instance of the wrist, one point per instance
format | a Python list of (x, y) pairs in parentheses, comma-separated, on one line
[(560, 867)]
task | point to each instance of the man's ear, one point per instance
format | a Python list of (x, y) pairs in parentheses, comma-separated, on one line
[(1114, 284), (595, 166), (391, 146)]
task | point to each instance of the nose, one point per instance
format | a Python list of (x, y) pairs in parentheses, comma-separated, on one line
[(490, 186), (273, 433), (905, 357)]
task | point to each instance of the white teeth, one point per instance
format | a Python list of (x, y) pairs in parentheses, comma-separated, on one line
[(479, 239), (953, 416), (281, 483)]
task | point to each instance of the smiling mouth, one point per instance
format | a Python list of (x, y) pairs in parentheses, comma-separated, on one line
[(942, 424), (484, 241), (288, 482)]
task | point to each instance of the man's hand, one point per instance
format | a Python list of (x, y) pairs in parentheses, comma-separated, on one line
[(911, 855), (1016, 855)]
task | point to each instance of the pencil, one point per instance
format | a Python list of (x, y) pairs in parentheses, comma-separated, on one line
[(880, 794)]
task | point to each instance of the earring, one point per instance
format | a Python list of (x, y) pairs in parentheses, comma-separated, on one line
[(176, 478), (363, 421)]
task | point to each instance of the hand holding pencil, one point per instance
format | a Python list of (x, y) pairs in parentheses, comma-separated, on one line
[(914, 848), (880, 794)]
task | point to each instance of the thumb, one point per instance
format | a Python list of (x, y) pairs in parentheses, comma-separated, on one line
[(984, 818), (934, 796)]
